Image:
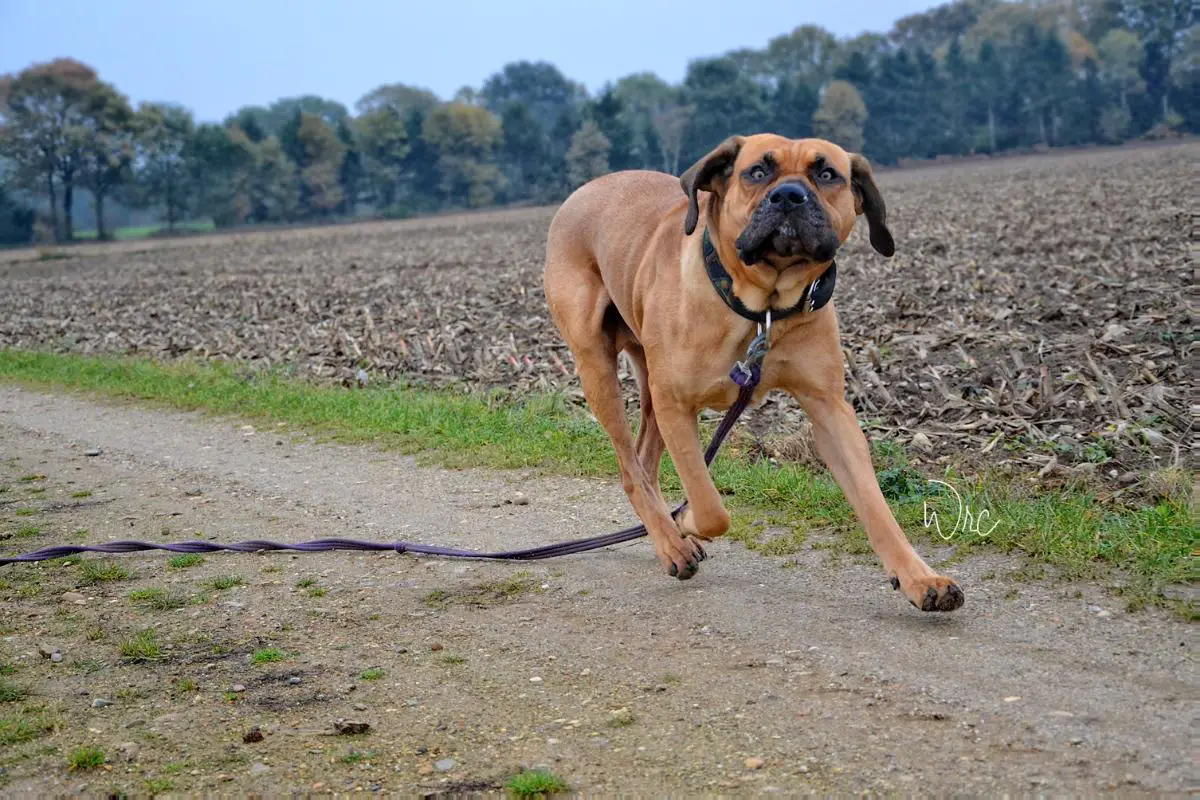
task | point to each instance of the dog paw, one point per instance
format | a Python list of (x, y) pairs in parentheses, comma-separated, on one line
[(932, 593), (681, 558)]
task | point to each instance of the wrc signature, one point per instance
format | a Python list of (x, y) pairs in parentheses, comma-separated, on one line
[(964, 519)]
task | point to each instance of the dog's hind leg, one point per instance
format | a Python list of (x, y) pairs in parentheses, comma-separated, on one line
[(649, 445), (583, 311)]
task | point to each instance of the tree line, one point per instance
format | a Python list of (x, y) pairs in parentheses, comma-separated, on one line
[(967, 77)]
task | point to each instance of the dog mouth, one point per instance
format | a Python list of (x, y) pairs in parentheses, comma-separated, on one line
[(785, 240)]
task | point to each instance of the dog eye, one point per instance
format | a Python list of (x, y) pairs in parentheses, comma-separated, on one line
[(756, 173), (827, 175)]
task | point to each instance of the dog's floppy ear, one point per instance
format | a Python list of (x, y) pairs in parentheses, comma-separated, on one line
[(868, 201), (700, 176)]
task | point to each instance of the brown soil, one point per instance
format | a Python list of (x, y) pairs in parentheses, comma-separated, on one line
[(762, 674), (1033, 315)]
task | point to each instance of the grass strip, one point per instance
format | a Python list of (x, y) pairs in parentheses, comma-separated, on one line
[(778, 508)]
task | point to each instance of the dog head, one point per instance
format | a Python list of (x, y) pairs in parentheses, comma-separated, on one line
[(785, 202)]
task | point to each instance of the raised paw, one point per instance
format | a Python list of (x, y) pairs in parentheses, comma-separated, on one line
[(933, 593), (681, 558)]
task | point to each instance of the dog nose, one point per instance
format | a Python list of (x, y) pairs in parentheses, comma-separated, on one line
[(789, 195)]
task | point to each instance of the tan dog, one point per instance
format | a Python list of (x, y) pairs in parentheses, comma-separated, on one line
[(626, 270)]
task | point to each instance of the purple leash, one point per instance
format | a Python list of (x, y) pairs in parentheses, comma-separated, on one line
[(746, 374)]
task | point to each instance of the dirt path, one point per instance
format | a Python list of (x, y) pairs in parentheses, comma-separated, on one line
[(751, 677)]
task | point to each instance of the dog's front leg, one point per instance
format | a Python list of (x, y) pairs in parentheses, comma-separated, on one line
[(705, 516), (844, 448), (811, 371)]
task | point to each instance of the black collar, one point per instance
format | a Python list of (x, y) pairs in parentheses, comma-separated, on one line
[(815, 295)]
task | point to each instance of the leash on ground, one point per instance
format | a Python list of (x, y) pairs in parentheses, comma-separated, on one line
[(746, 374)]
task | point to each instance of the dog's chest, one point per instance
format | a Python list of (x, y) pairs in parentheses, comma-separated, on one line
[(707, 380)]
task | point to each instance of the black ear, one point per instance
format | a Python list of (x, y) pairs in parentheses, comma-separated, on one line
[(700, 177), (868, 201)]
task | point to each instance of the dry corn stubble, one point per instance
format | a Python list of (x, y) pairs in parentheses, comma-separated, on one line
[(1032, 314)]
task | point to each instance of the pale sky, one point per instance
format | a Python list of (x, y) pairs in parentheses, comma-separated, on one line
[(215, 56)]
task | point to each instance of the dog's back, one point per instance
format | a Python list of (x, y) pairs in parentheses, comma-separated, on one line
[(603, 224)]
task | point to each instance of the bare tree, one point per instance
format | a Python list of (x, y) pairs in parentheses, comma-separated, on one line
[(670, 124)]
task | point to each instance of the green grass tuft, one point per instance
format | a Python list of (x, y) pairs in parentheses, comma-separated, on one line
[(266, 655), (101, 571), (222, 582), (372, 674), (28, 530), (536, 783), (186, 560), (142, 646), (23, 728), (158, 599), (87, 758), (11, 693), (88, 666)]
